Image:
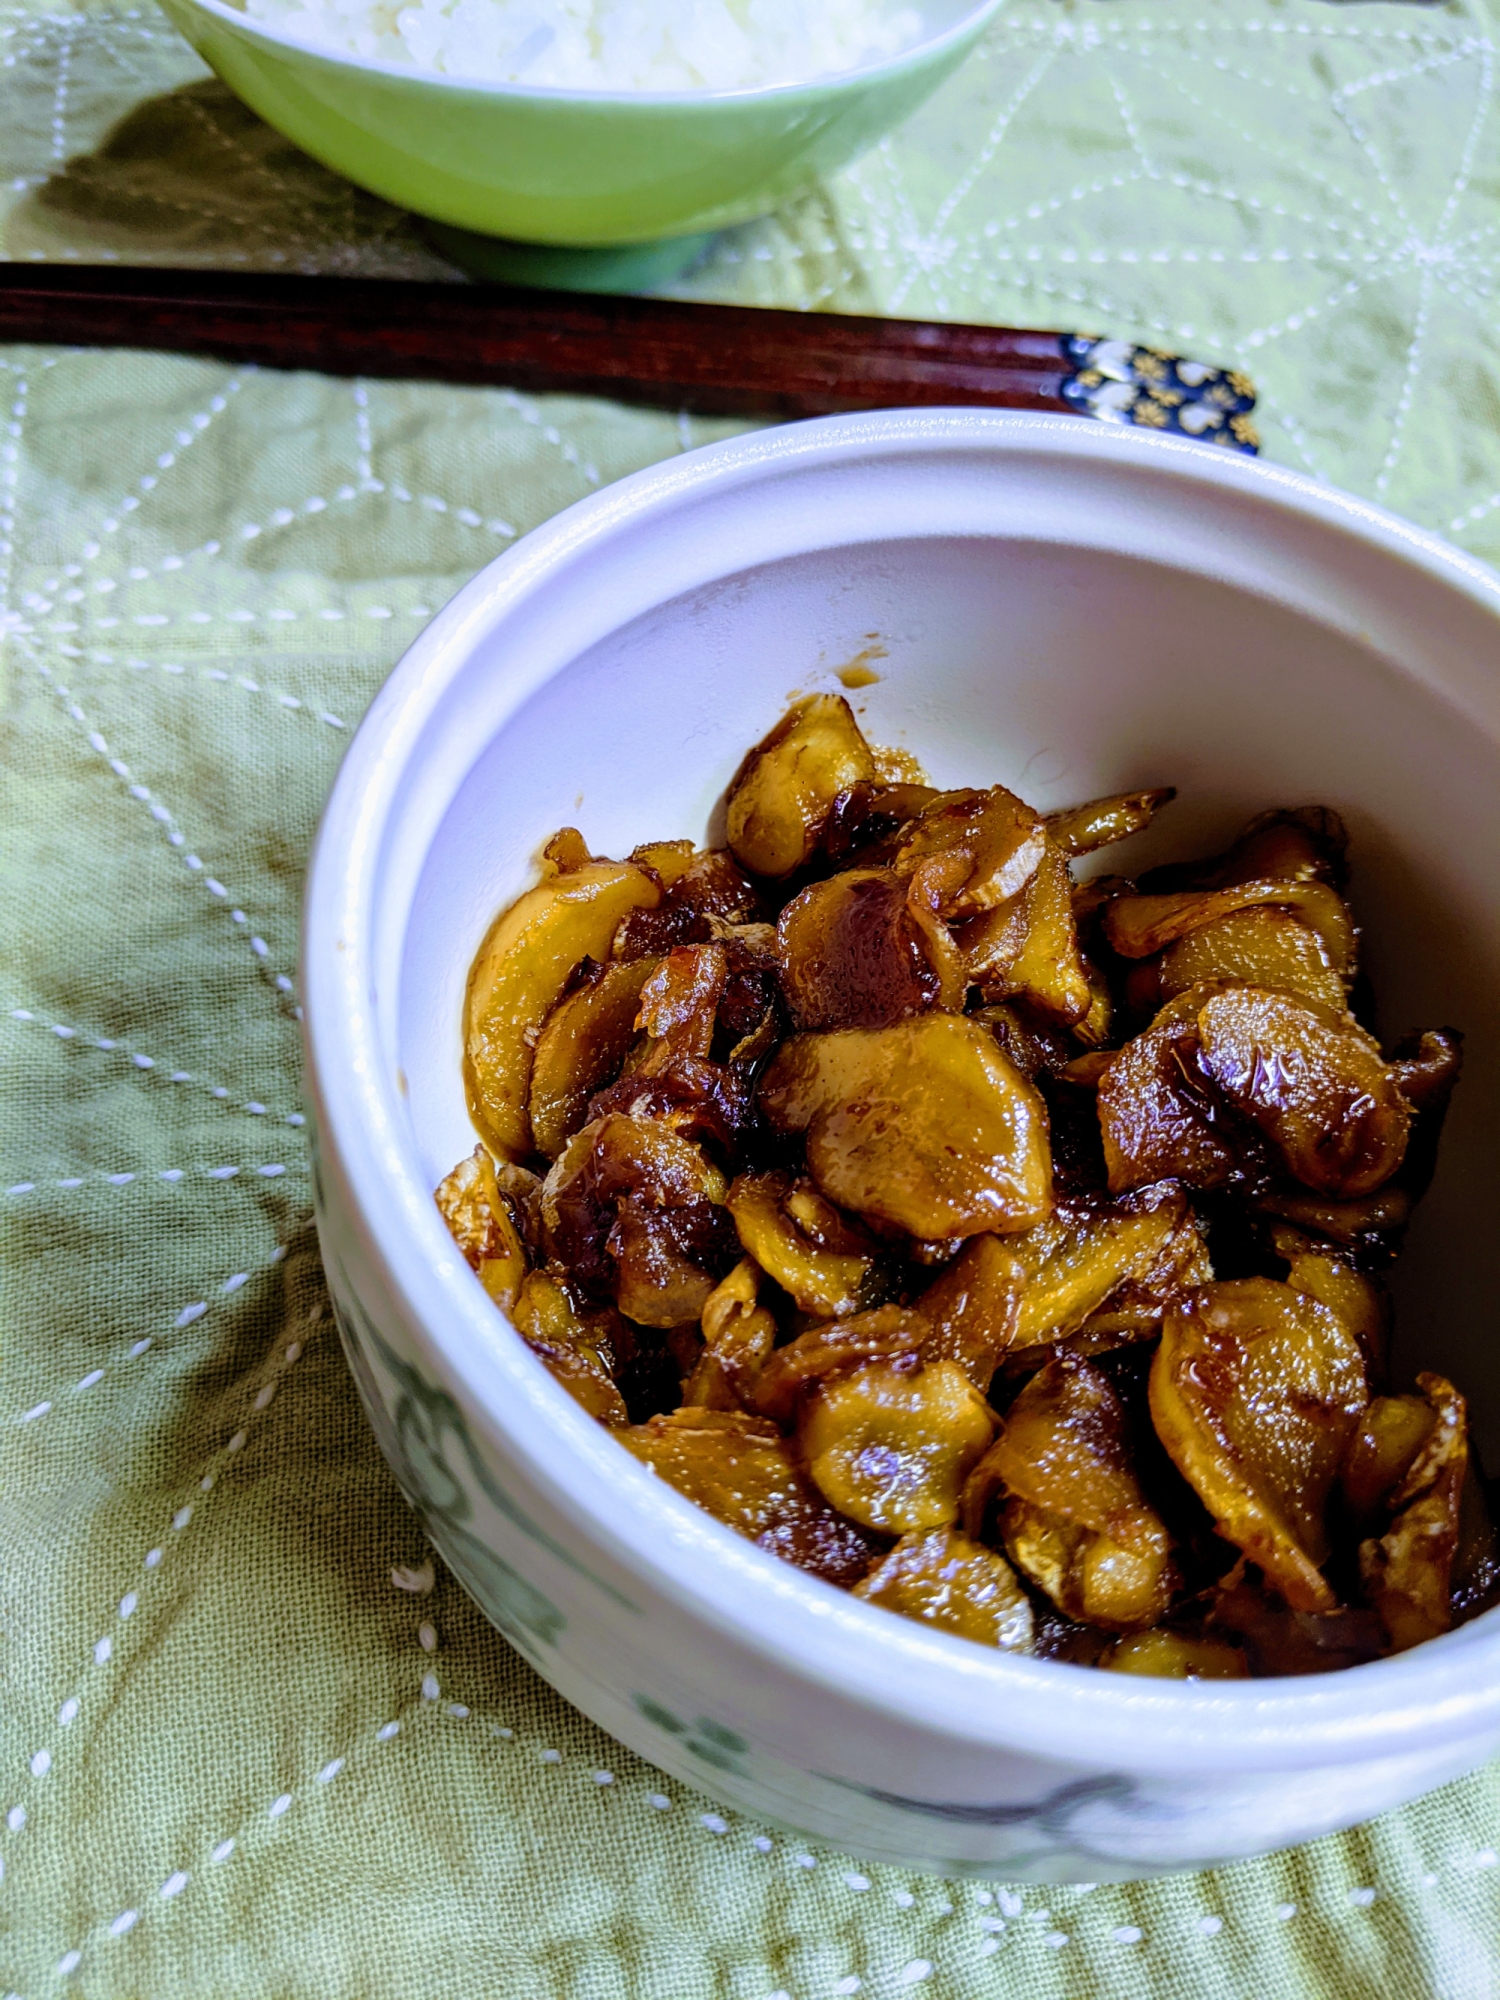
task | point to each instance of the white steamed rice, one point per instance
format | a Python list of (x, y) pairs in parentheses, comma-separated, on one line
[(643, 45)]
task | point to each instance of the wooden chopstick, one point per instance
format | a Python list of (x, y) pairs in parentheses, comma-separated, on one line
[(708, 358), (717, 360)]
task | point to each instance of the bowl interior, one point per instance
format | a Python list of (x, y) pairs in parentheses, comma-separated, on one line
[(1011, 653), (940, 19)]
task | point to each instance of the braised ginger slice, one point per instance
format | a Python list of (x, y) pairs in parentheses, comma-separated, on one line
[(1391, 1432), (973, 1309), (1049, 969), (889, 1333), (1361, 1302), (814, 1254), (890, 1445), (1407, 1572), (1088, 1249), (738, 1336), (854, 954), (480, 1222), (634, 1210), (738, 1469), (942, 1578), (1076, 1521), (1264, 946), (1158, 1117), (1028, 948), (786, 788), (1101, 822), (1255, 1392), (1323, 1096), (586, 1038), (704, 891), (533, 949), (580, 1353), (969, 851), (1288, 843), (1176, 1656), (925, 1126), (1141, 926)]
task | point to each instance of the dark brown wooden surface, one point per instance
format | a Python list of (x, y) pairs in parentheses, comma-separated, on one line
[(736, 360)]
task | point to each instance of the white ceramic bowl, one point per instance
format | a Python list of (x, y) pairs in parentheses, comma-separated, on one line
[(1064, 607)]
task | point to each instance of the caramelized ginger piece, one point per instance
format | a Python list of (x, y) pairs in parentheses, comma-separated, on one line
[(667, 860), (1295, 843), (1048, 971), (969, 851), (1076, 1520), (1407, 1573), (942, 1578), (738, 1336), (854, 955), (869, 821), (1255, 1392), (633, 1210), (1426, 1066), (522, 969), (1362, 1303), (1158, 1118), (973, 1309), (1391, 1432), (703, 893), (890, 1446), (483, 1226), (1140, 926), (924, 1127), (820, 1277), (1036, 1047), (1088, 1249), (1226, 1072), (581, 1048), (784, 792), (1288, 843), (738, 1469), (1370, 1226), (567, 851), (1027, 946), (1086, 828), (1264, 946), (667, 1261), (578, 1353), (889, 1333), (679, 1004), (1324, 1097), (1176, 1656), (990, 944)]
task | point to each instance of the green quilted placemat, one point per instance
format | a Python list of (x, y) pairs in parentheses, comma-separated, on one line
[(253, 1740)]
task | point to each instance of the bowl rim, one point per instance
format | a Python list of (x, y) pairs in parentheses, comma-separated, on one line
[(1444, 1690), (971, 23)]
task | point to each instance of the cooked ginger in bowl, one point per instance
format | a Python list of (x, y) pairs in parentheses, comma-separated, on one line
[(1001, 1246)]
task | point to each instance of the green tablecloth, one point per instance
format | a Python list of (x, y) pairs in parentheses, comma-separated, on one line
[(252, 1739)]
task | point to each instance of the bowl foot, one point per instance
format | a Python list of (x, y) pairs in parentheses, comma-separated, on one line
[(606, 267)]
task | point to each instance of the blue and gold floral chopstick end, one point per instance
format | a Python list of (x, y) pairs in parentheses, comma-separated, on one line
[(1121, 383)]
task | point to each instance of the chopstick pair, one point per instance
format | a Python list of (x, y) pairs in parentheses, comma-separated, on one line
[(708, 359)]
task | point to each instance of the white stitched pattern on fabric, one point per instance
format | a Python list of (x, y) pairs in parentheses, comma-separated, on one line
[(142, 793), (104, 1651), (188, 1316), (199, 422), (528, 412), (146, 1177), (157, 1065), (290, 704)]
